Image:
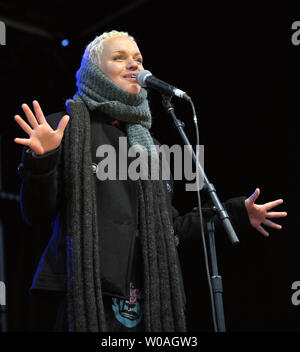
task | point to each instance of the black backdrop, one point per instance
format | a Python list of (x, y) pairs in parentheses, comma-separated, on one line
[(241, 69)]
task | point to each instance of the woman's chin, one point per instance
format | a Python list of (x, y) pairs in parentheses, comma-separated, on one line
[(133, 88)]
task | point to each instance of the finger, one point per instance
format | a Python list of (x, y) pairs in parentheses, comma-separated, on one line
[(23, 141), (273, 204), (30, 117), (23, 124), (272, 224), (38, 112), (255, 195), (63, 123), (262, 231), (276, 214)]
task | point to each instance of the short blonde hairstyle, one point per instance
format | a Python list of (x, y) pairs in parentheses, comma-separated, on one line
[(94, 49)]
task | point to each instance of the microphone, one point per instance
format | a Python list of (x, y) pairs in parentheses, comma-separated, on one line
[(146, 79)]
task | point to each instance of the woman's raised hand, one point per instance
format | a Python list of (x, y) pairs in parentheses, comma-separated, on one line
[(259, 214), (42, 137)]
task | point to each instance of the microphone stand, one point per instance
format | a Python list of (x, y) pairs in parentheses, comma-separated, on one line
[(2, 268), (209, 187), (216, 280)]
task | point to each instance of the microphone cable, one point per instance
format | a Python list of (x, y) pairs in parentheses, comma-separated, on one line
[(202, 227)]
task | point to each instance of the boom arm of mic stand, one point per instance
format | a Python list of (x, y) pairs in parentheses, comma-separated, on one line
[(209, 187)]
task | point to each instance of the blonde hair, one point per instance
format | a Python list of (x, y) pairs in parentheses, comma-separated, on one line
[(94, 48)]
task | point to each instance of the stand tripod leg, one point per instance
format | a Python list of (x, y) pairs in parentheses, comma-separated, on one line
[(216, 280)]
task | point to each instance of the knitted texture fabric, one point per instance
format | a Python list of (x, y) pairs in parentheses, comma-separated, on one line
[(85, 305), (99, 92), (164, 307)]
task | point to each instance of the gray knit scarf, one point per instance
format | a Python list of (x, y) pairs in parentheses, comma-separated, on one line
[(163, 301)]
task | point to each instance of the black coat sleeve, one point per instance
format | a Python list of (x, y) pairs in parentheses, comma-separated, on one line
[(187, 226), (40, 186)]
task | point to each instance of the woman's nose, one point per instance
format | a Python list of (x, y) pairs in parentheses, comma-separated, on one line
[(131, 63)]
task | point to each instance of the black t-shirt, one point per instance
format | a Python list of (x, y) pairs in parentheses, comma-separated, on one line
[(127, 315), (121, 315)]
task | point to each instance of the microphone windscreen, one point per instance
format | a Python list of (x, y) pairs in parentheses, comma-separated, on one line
[(141, 77)]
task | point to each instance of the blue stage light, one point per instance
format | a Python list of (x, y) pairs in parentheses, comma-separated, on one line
[(65, 42)]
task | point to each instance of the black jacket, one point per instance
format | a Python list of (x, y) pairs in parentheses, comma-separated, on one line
[(41, 201)]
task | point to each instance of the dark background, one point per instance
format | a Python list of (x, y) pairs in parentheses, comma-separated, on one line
[(238, 64)]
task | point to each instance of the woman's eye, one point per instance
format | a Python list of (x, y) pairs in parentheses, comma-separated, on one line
[(118, 58)]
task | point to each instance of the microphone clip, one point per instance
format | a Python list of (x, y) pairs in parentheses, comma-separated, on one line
[(166, 101), (169, 107)]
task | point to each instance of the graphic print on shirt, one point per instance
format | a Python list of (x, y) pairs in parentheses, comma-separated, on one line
[(129, 312)]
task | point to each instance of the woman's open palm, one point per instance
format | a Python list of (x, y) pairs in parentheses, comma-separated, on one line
[(42, 137)]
